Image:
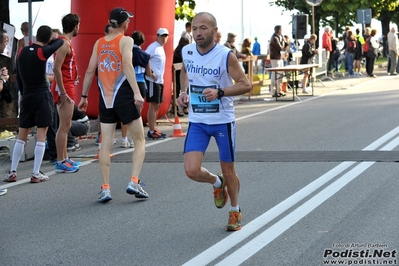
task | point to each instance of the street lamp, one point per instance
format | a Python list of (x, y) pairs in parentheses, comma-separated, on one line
[(313, 3)]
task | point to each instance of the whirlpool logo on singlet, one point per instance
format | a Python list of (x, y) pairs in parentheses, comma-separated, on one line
[(201, 69), (108, 61)]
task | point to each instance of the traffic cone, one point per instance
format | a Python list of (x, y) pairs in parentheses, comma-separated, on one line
[(177, 132), (99, 147)]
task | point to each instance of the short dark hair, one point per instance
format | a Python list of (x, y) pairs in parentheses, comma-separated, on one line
[(277, 28), (138, 37), (188, 24), (69, 22), (2, 31), (44, 34)]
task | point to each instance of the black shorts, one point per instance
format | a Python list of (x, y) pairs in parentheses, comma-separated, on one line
[(36, 109), (125, 113), (142, 88), (154, 92)]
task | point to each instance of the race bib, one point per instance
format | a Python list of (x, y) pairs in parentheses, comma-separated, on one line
[(199, 104)]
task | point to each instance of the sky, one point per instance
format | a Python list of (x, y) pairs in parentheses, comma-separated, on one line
[(257, 17)]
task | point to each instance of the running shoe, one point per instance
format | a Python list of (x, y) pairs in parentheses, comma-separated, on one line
[(11, 176), (3, 191), (156, 135), (136, 190), (234, 223), (40, 177), (73, 163), (131, 143), (125, 143), (65, 167), (220, 194), (104, 195), (97, 140)]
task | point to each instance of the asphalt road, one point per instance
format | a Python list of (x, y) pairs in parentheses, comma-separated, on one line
[(318, 183)]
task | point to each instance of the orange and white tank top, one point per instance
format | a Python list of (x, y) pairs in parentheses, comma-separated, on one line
[(110, 69)]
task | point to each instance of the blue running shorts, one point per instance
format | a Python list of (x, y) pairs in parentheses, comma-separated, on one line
[(199, 135)]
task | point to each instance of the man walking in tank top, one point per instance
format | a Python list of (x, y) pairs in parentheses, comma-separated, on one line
[(120, 99), (63, 89)]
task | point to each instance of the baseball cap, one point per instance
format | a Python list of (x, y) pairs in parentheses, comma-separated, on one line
[(307, 36), (162, 31), (119, 15), (231, 35)]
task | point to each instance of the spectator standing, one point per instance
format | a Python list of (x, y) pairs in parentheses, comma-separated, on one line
[(63, 89), (374, 44), (393, 45), (358, 53), (326, 44), (52, 130), (231, 38), (25, 41), (3, 71), (217, 119), (36, 103), (308, 51), (345, 37), (120, 99), (187, 33), (178, 58), (276, 49), (218, 37), (142, 67), (256, 51), (350, 51), (246, 49), (155, 87)]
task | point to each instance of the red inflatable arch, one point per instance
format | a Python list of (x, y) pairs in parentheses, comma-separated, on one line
[(149, 15)]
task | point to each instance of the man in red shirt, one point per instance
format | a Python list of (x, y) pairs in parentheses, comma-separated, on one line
[(327, 45), (66, 77)]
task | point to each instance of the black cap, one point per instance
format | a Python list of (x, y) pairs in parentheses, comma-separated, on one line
[(119, 15)]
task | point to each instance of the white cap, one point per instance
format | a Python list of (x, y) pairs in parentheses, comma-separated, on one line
[(162, 31), (306, 37)]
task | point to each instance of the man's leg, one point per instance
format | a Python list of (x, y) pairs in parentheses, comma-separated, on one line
[(107, 141), (65, 112), (193, 169), (37, 176), (16, 154), (232, 182), (137, 132), (273, 82), (51, 133)]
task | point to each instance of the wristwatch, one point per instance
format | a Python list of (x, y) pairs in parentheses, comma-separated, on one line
[(220, 93)]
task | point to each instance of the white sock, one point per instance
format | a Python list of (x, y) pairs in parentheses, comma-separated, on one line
[(236, 208), (17, 153), (39, 153), (218, 182), (124, 139)]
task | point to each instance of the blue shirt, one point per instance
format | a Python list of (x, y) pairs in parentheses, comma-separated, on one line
[(256, 48)]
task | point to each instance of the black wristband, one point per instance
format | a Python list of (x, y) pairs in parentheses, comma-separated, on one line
[(84, 96)]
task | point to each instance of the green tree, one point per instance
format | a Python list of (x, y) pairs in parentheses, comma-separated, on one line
[(339, 13), (185, 10)]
